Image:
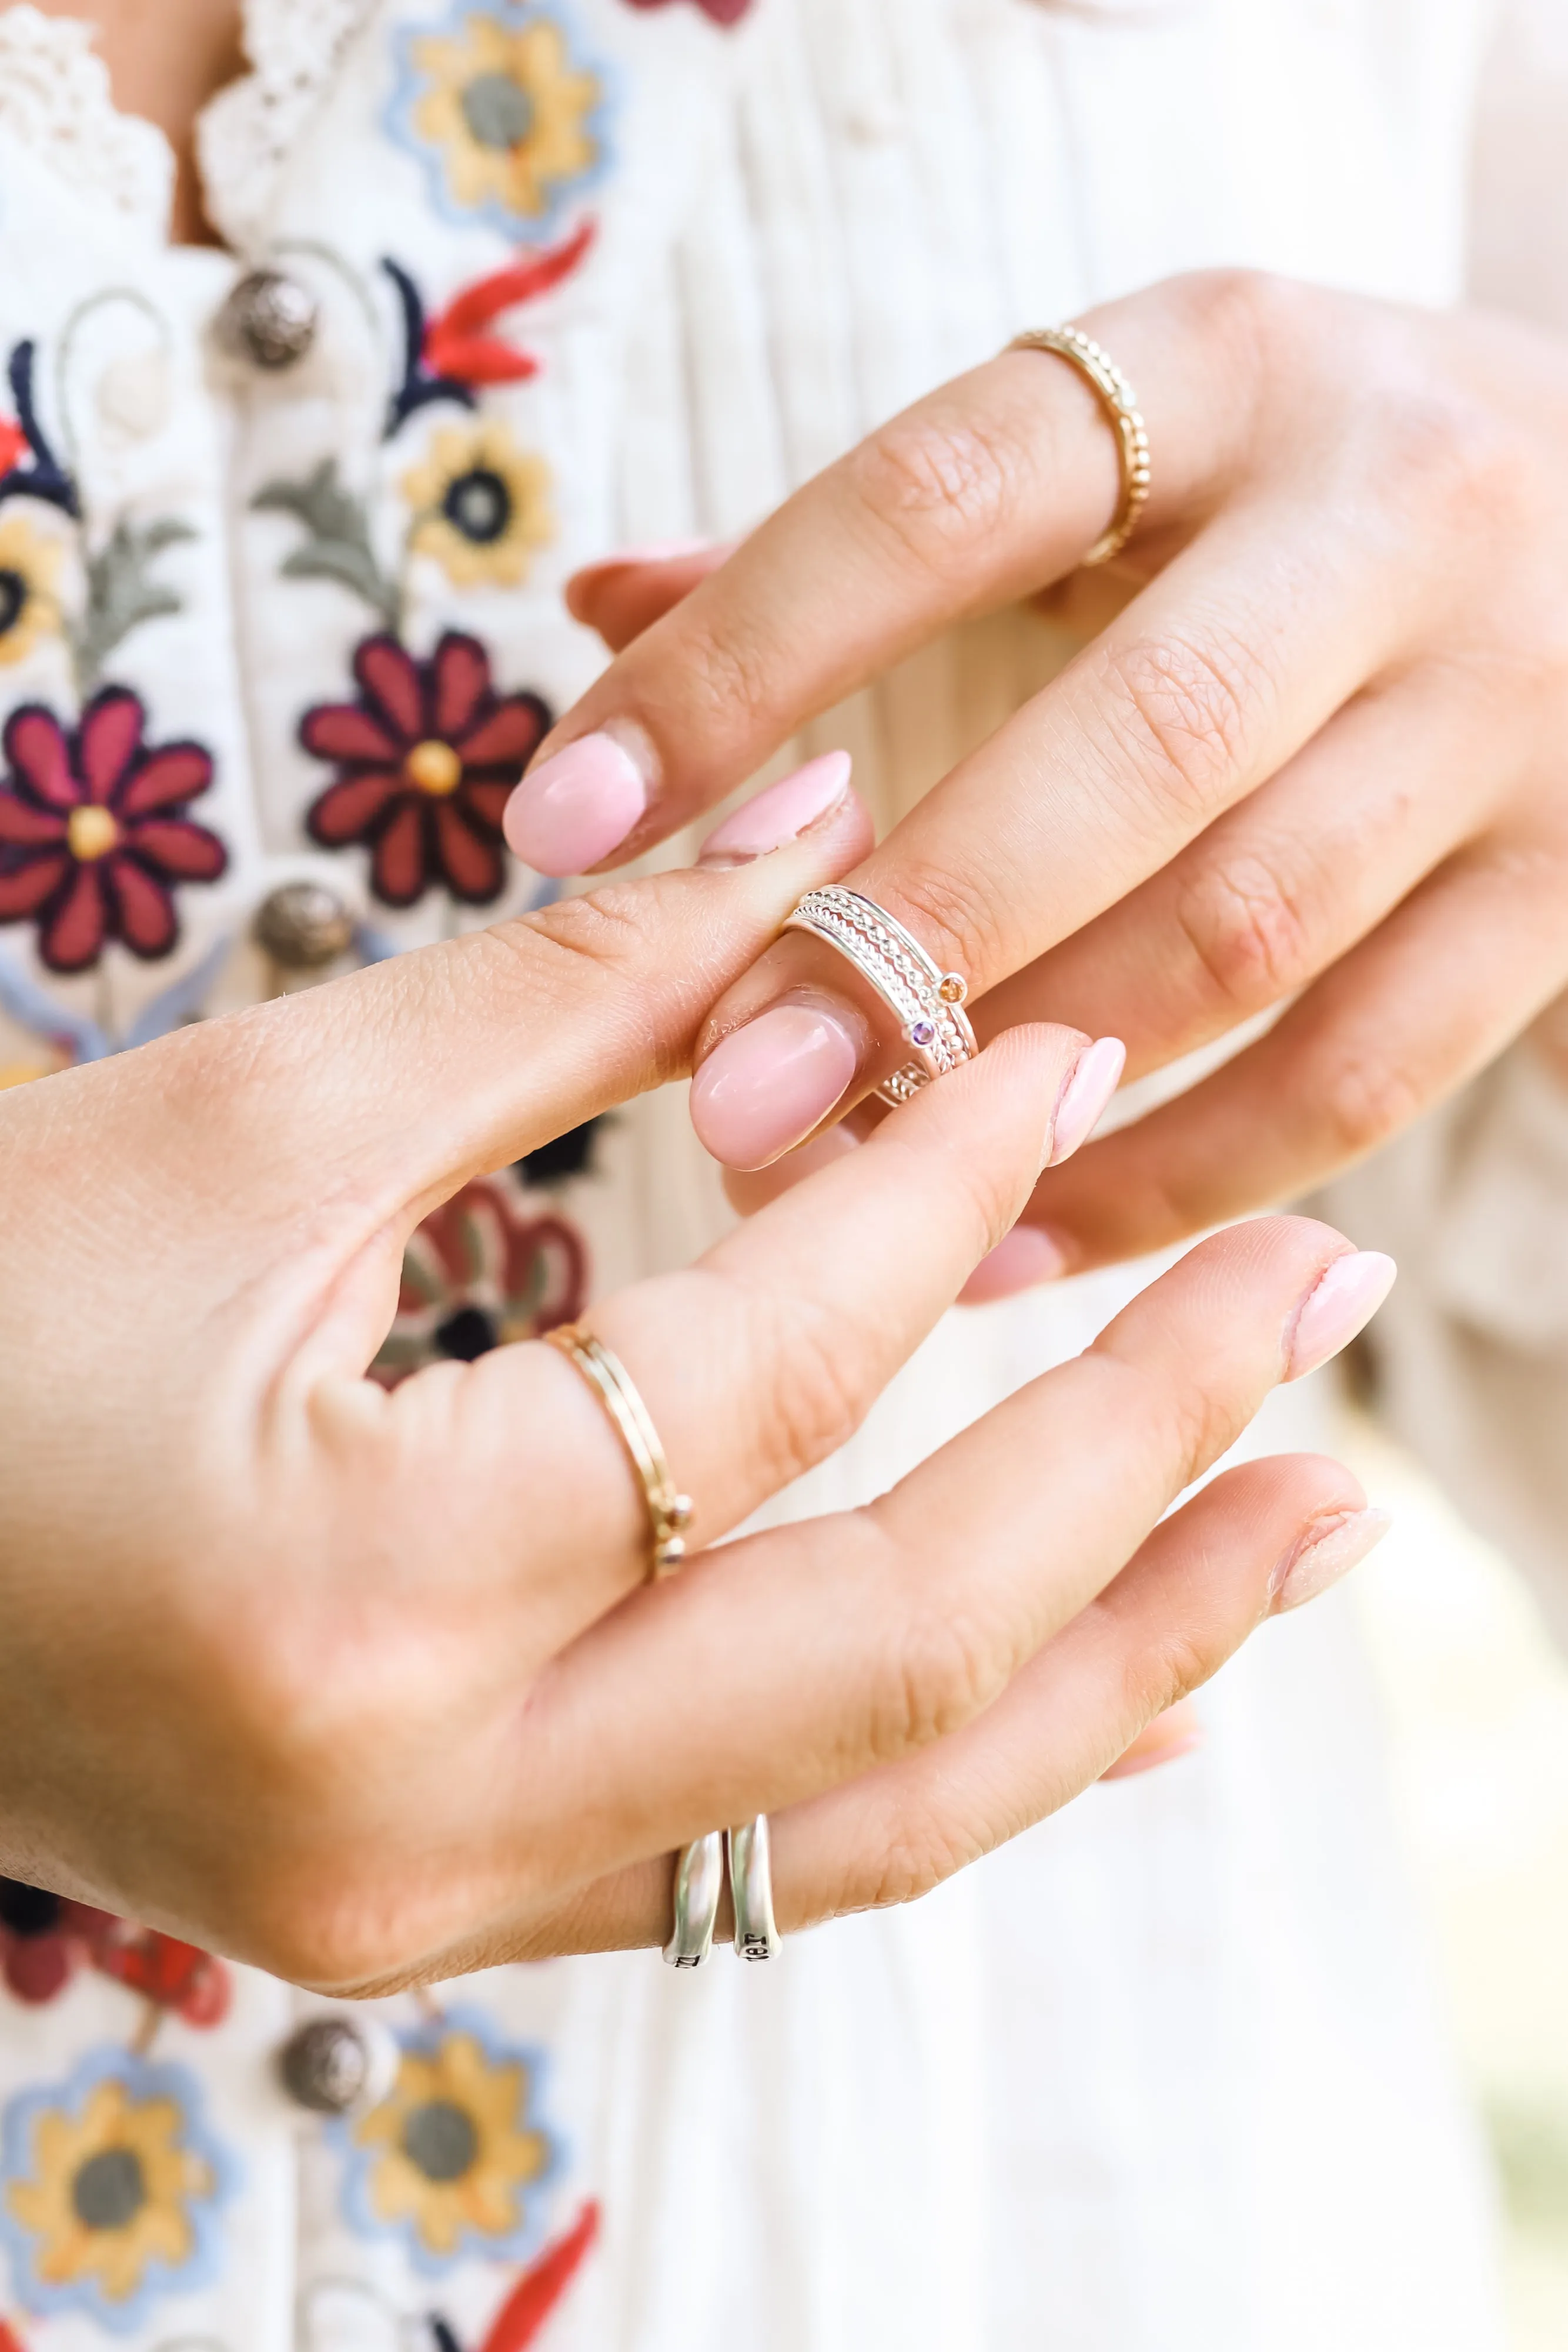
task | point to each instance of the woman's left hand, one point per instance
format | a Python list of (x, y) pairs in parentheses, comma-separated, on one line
[(1317, 754)]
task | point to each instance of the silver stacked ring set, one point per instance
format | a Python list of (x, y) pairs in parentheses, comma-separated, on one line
[(928, 1004)]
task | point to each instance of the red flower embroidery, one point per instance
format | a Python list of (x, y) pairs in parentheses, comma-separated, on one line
[(425, 761), (481, 1271), (164, 1970), (723, 12), (44, 1939), (94, 833)]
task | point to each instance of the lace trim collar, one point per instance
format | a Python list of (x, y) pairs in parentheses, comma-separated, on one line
[(55, 98)]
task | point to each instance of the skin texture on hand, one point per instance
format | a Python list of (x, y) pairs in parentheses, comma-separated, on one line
[(370, 1687), (1309, 762)]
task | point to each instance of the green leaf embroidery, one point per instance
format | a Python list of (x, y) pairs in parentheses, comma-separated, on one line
[(121, 593), (338, 537)]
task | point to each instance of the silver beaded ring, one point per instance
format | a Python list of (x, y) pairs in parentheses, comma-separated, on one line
[(928, 1002)]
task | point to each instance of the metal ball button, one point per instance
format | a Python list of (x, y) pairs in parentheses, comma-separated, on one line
[(303, 926), (336, 2066), (268, 320)]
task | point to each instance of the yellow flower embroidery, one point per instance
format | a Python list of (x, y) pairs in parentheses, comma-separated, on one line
[(509, 113), (110, 2191), (455, 2154), (482, 506), (29, 568)]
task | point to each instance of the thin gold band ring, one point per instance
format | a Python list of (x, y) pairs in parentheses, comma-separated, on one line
[(1120, 403)]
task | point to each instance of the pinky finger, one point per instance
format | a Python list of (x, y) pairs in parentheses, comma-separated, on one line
[(1254, 1542), (1443, 985), (1245, 1547)]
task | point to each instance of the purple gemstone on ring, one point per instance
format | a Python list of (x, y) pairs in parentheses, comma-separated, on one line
[(923, 1034)]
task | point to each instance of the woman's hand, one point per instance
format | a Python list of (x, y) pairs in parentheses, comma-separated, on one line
[(366, 1686), (1318, 756)]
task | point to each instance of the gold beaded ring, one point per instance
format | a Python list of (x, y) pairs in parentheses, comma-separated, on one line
[(1120, 403), (669, 1512)]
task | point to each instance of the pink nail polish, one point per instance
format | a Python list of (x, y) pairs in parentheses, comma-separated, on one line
[(1023, 1259), (1149, 1759), (571, 811), (1325, 1553), (769, 1084), (1094, 1080), (656, 551), (1342, 1302), (781, 814)]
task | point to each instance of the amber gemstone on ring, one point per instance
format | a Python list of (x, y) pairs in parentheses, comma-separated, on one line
[(435, 767)]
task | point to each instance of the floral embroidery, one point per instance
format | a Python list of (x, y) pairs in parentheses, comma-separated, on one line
[(482, 1270), (723, 12), (42, 475), (164, 1971), (445, 357), (29, 569), (94, 833), (481, 506), (453, 2163), (425, 760), (511, 125), (44, 1939), (112, 2186)]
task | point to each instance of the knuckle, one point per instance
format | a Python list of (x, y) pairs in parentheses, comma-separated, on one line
[(1248, 933), (1183, 711), (957, 915), (1260, 325), (823, 1394), (937, 480), (919, 1851), (1365, 1100), (606, 927), (941, 1669)]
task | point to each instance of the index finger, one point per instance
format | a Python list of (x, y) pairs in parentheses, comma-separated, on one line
[(984, 492)]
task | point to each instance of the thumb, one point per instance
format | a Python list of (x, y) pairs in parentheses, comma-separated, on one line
[(388, 1090)]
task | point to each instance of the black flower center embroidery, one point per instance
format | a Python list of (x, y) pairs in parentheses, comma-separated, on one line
[(498, 110), (28, 1910), (467, 1336), (440, 2140), (479, 505), (14, 593), (109, 2189)]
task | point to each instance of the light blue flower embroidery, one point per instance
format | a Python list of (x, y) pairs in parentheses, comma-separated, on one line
[(511, 125), (110, 2190), (455, 2162)]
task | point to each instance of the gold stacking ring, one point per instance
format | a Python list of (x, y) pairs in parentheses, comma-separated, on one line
[(669, 1512), (1120, 403)]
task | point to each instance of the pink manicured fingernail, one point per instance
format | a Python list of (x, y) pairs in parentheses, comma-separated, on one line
[(574, 809), (1094, 1080), (1341, 1302), (1024, 1258), (1325, 1554), (656, 551), (782, 813), (769, 1084), (1149, 1759)]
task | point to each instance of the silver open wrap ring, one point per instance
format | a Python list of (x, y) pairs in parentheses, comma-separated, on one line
[(928, 1002)]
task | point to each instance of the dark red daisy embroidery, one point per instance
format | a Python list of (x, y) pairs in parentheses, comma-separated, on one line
[(44, 1939), (723, 12), (425, 760), (94, 833), (481, 1271)]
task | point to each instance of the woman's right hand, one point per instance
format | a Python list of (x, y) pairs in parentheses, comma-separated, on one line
[(367, 1687)]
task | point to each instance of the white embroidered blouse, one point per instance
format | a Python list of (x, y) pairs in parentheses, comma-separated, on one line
[(282, 537)]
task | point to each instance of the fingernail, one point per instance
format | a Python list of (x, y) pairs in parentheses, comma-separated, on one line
[(571, 811), (1094, 1079), (1341, 1302), (1149, 1759), (656, 551), (782, 813), (1026, 1257), (769, 1084), (1325, 1553)]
